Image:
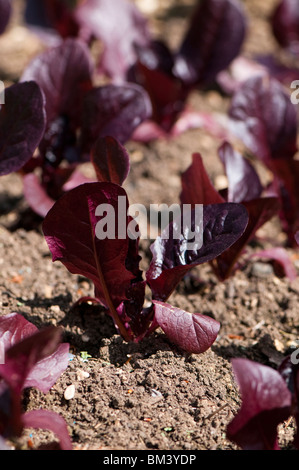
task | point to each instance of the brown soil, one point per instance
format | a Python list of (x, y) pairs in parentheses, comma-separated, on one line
[(150, 395)]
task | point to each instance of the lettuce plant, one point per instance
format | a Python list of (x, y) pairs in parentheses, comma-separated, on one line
[(31, 358), (118, 25), (283, 22), (112, 262), (269, 397), (77, 114), (263, 117), (213, 38), (244, 187)]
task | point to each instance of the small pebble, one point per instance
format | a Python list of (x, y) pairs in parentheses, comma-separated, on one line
[(48, 292), (82, 374), (262, 269), (69, 392), (55, 309)]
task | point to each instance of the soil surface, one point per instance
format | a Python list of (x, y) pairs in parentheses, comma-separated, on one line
[(148, 395)]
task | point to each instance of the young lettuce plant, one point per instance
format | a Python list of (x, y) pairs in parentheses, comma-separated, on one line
[(118, 25), (73, 229), (214, 37), (29, 358), (269, 397), (284, 24), (263, 117), (244, 187), (77, 114)]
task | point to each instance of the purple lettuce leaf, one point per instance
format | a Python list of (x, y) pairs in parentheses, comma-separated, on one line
[(154, 72), (296, 236), (138, 320), (41, 193), (197, 187), (22, 125), (51, 421), (47, 371), (5, 13), (244, 187), (192, 332), (24, 361), (285, 25), (266, 402), (240, 70), (243, 68), (36, 195), (40, 364), (221, 227), (115, 111), (120, 26), (264, 119), (13, 328), (216, 124), (285, 180), (214, 38), (243, 181), (259, 211), (110, 160), (285, 74), (72, 233), (64, 73), (41, 198)]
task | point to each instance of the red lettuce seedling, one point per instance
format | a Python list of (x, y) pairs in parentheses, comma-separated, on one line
[(118, 25), (110, 160), (22, 125), (263, 117), (213, 39), (284, 24), (269, 397), (33, 358), (77, 115), (5, 13), (89, 230), (244, 187), (15, 328)]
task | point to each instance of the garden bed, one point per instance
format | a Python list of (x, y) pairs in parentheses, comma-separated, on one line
[(151, 395)]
